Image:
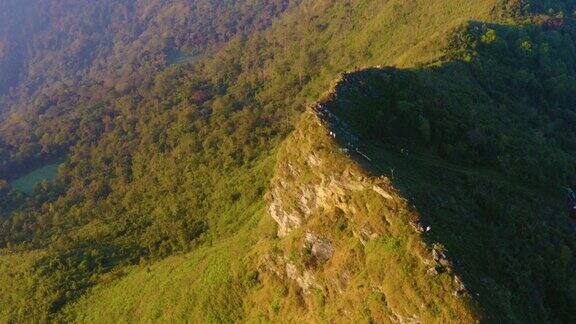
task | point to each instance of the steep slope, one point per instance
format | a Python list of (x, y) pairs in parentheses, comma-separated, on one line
[(460, 140), (115, 43), (487, 238), (72, 61), (174, 183), (18, 284), (350, 242), (63, 63), (349, 249)]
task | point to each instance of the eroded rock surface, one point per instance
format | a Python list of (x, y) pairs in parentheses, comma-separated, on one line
[(309, 181), (338, 225)]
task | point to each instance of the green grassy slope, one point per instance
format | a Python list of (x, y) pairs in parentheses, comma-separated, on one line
[(19, 282), (465, 141), (207, 285), (378, 277), (28, 182), (140, 206), (176, 178)]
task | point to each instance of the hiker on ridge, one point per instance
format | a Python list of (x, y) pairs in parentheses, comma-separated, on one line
[(571, 200)]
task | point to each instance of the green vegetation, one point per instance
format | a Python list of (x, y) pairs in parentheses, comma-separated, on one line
[(63, 64), (19, 285), (28, 182), (484, 150), (376, 252), (159, 212), (207, 285)]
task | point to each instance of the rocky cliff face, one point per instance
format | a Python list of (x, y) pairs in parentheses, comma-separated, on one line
[(350, 239)]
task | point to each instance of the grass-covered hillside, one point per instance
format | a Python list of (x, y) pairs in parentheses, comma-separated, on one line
[(162, 210), (483, 146), (354, 254)]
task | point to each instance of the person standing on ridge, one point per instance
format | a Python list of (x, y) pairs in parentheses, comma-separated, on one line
[(571, 200)]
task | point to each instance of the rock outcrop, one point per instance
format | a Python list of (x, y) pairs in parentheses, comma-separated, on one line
[(339, 224), (315, 175)]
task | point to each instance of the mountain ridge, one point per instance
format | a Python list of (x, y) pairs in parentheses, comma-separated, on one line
[(165, 195)]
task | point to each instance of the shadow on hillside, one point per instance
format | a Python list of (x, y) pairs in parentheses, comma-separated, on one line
[(483, 146)]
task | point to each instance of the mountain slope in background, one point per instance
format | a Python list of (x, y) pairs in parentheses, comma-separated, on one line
[(62, 61), (178, 200)]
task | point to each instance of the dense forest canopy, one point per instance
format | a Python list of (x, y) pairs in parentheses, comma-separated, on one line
[(57, 56), (168, 116)]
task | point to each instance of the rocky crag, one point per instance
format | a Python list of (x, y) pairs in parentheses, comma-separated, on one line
[(346, 235)]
